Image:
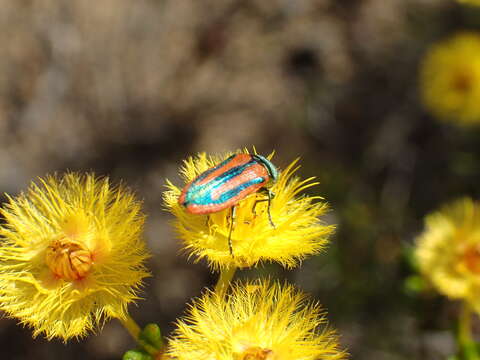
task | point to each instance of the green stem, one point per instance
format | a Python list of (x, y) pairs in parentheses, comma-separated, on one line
[(131, 326), (465, 339), (226, 276)]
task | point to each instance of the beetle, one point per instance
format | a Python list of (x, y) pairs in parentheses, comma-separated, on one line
[(225, 184)]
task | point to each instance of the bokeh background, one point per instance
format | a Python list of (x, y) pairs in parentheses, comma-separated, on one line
[(130, 88)]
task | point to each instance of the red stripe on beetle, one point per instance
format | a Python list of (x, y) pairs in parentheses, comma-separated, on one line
[(238, 160), (204, 209), (254, 171), (181, 198)]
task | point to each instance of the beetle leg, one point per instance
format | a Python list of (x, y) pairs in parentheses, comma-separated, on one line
[(270, 195), (207, 222), (255, 206), (232, 221)]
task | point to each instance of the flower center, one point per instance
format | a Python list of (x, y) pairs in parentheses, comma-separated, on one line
[(256, 353), (462, 82), (68, 260), (471, 259)]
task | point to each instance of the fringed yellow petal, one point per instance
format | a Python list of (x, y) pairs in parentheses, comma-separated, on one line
[(450, 78), (255, 321), (448, 251), (71, 255)]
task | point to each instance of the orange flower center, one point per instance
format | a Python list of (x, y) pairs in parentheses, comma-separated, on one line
[(68, 260), (256, 353), (462, 82), (471, 259)]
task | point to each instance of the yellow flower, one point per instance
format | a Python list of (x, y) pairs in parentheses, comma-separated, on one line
[(448, 251), (71, 255), (255, 321), (450, 79), (297, 232)]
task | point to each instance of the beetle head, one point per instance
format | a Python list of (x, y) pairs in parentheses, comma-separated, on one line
[(272, 170)]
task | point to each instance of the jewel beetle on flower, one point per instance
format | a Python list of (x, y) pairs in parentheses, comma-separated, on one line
[(224, 185)]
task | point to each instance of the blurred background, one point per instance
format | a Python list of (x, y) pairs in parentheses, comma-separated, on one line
[(129, 89)]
